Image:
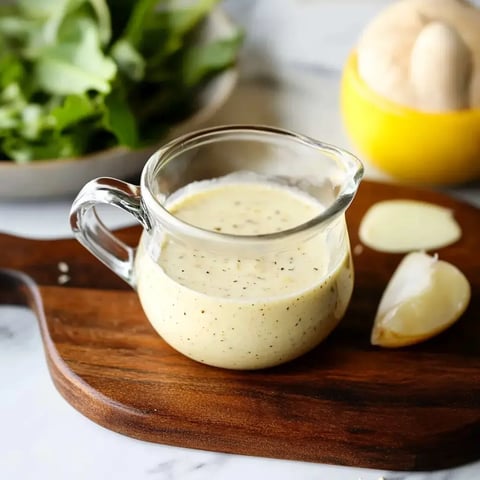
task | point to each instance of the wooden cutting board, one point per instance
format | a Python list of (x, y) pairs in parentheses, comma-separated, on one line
[(346, 403)]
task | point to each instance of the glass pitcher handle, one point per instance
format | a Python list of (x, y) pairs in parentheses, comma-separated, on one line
[(94, 235)]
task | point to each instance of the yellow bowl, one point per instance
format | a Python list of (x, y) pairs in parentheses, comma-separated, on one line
[(412, 146)]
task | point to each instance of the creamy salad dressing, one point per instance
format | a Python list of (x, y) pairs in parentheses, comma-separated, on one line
[(243, 311)]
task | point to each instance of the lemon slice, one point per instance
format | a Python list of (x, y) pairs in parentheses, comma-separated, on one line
[(424, 297), (400, 226)]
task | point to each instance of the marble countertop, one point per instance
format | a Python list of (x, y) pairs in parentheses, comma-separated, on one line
[(286, 79)]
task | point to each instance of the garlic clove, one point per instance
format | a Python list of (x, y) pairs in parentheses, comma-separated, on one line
[(440, 69), (464, 17), (401, 226), (424, 297), (383, 52), (386, 50)]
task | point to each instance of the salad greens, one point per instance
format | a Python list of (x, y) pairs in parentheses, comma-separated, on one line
[(81, 75)]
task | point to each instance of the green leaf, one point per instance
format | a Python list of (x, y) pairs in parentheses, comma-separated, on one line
[(11, 69), (54, 12), (158, 29), (119, 119), (15, 27), (77, 64), (12, 95), (9, 120), (104, 21), (51, 146), (183, 20), (128, 60), (139, 16), (12, 104), (18, 34), (34, 120), (74, 109), (45, 9), (62, 68), (201, 61)]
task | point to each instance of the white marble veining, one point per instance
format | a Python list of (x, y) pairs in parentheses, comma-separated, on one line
[(287, 79)]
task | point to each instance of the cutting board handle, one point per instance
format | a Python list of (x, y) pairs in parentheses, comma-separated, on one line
[(17, 288)]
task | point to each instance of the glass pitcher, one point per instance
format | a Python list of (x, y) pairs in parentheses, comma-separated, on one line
[(244, 261)]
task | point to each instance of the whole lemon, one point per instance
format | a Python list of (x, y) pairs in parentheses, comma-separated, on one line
[(412, 146)]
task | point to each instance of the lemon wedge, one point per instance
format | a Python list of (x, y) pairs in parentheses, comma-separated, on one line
[(424, 297)]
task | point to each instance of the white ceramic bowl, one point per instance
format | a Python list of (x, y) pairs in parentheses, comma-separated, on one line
[(53, 178)]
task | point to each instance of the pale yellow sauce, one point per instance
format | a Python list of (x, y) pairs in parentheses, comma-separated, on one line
[(243, 311)]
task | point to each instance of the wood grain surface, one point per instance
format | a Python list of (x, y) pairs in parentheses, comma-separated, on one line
[(346, 402)]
